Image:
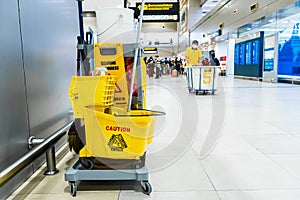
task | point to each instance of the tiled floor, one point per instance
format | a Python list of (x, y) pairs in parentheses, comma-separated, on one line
[(257, 156)]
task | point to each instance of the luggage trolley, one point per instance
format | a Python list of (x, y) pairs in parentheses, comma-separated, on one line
[(202, 79)]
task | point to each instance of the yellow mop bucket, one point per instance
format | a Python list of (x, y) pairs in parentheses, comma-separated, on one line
[(117, 135)]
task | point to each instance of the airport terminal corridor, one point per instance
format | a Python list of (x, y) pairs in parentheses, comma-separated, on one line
[(150, 100), (257, 155)]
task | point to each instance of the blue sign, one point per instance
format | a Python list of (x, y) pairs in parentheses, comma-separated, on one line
[(237, 54), (269, 64), (242, 54), (249, 53), (289, 52), (269, 59), (255, 51)]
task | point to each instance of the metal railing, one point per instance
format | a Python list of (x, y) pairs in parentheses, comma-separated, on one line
[(45, 146)]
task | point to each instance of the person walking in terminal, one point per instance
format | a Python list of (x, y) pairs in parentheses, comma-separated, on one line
[(205, 62), (214, 61), (193, 54), (178, 64)]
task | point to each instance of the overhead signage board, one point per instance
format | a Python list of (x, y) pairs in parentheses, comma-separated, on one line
[(159, 12), (150, 50)]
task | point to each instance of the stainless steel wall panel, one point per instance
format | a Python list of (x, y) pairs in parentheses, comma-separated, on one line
[(37, 61), (14, 130), (49, 30)]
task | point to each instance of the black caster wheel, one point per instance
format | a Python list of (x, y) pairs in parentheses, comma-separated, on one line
[(87, 163), (73, 189), (147, 188)]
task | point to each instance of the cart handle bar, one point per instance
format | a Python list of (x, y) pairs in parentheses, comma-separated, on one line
[(153, 113)]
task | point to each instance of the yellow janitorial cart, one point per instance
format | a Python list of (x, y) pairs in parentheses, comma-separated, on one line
[(108, 101), (109, 110), (115, 139)]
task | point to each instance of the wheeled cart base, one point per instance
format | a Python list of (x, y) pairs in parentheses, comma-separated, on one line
[(76, 174), (198, 92)]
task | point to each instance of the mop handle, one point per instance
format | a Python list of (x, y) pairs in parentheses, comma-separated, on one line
[(136, 54)]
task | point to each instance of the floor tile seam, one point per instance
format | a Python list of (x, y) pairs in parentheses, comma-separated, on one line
[(234, 132), (295, 136), (257, 149), (284, 154), (246, 154), (264, 153), (284, 169), (257, 188), (181, 191), (171, 191), (192, 141), (279, 165), (217, 141), (210, 180), (250, 145), (289, 134), (278, 127), (249, 135), (169, 164), (250, 190), (263, 87), (119, 195), (231, 154), (195, 153)]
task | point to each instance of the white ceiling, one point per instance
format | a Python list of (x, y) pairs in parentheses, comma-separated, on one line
[(89, 5), (93, 5), (209, 5)]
